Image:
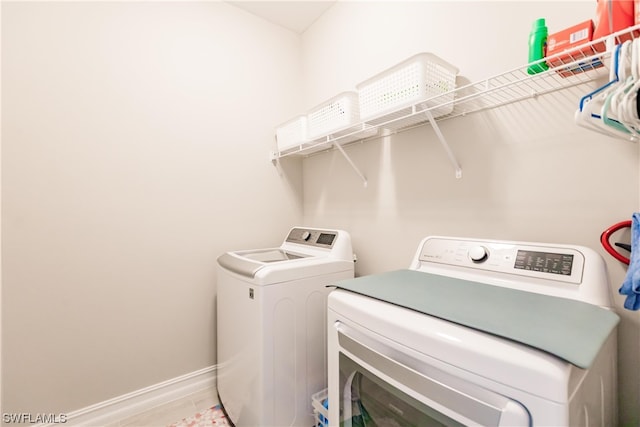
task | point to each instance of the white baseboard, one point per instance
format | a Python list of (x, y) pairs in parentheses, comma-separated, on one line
[(126, 405)]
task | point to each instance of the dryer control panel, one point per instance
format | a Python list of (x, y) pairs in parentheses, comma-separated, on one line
[(558, 263)]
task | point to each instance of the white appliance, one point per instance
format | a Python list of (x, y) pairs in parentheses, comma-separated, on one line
[(271, 326), (511, 334)]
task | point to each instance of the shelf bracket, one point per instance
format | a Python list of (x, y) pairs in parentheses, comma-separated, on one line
[(353, 165), (273, 157), (444, 143)]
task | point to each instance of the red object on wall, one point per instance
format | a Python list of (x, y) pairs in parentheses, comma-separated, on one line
[(606, 235)]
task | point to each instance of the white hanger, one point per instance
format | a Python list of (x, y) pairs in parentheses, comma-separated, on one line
[(591, 103), (628, 103), (589, 113), (611, 114)]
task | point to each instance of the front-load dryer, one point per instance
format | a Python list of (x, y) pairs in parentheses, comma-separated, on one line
[(476, 332), (271, 326)]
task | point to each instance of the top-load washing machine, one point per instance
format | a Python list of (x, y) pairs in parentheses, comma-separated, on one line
[(271, 326), (476, 332)]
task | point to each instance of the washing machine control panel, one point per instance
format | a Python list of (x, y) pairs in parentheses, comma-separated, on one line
[(311, 237), (559, 263)]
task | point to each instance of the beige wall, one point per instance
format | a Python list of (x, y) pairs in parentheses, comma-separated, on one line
[(529, 173), (135, 140)]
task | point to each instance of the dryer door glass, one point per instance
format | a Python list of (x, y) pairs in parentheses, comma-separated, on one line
[(383, 386), (369, 401)]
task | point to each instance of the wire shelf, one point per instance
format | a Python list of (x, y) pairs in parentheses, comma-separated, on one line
[(573, 68)]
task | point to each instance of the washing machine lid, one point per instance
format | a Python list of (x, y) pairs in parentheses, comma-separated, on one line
[(305, 252), (571, 330), (248, 263), (272, 255)]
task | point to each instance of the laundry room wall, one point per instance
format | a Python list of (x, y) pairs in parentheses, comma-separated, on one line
[(529, 173), (135, 140)]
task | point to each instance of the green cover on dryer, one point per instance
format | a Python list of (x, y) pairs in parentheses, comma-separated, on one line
[(571, 330)]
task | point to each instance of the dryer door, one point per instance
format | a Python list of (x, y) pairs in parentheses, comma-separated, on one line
[(382, 385)]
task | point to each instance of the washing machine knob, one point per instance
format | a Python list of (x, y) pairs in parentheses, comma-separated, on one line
[(306, 235), (478, 254)]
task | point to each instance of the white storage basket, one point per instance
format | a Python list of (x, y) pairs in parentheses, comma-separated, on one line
[(320, 412), (392, 94), (335, 115), (292, 134), (338, 118)]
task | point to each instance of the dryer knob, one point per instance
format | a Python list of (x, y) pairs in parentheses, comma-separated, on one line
[(306, 235), (478, 254)]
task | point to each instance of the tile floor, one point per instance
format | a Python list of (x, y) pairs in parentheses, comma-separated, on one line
[(172, 412)]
